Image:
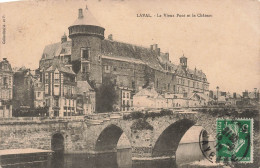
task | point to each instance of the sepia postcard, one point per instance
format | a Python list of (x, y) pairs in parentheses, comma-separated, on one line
[(129, 84)]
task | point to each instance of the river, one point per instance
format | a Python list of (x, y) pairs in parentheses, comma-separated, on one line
[(123, 159), (188, 151)]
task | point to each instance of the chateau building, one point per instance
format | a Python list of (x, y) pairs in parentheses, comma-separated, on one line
[(130, 67), (6, 88)]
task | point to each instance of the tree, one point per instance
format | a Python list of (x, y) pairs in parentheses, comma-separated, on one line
[(106, 96)]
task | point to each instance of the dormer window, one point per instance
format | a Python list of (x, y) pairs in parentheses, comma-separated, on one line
[(56, 77), (85, 53), (5, 67), (46, 77)]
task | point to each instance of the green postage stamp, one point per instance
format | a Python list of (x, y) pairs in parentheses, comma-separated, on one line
[(234, 140)]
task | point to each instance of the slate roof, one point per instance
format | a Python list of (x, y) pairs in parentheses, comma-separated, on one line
[(83, 86), (148, 92), (125, 50), (87, 19), (200, 95), (56, 49), (5, 62), (190, 73), (57, 64)]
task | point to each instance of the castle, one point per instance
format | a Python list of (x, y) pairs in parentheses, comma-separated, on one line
[(91, 57)]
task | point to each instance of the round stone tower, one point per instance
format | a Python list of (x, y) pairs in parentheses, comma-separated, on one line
[(86, 35)]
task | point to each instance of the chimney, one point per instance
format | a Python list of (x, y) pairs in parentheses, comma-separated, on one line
[(155, 46), (110, 37), (151, 47), (63, 38), (245, 94), (167, 56), (234, 95), (158, 50), (80, 14)]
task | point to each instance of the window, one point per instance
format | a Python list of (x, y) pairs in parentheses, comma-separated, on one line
[(46, 77), (47, 89), (85, 53), (123, 94), (56, 102), (38, 94), (85, 68), (56, 90), (65, 90), (127, 95), (5, 79), (185, 94), (48, 102), (114, 68), (56, 77), (107, 68), (72, 90), (69, 91), (133, 84), (123, 102)]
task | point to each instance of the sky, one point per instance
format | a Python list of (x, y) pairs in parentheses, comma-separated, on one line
[(225, 46)]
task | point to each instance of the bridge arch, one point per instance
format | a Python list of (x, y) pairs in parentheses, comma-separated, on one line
[(108, 138), (57, 142), (168, 141)]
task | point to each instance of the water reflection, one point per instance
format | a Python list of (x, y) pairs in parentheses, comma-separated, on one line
[(121, 159)]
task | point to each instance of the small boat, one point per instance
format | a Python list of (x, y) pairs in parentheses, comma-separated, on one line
[(28, 157)]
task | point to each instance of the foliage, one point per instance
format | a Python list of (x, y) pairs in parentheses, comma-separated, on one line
[(147, 76), (233, 113), (141, 124), (31, 112), (106, 97), (133, 115), (139, 114)]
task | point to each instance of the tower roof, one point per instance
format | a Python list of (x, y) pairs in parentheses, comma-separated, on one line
[(85, 17), (183, 57)]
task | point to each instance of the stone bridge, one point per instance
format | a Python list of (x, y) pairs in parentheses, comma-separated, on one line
[(152, 134)]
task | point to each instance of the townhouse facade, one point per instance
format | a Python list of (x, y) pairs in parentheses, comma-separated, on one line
[(6, 88)]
